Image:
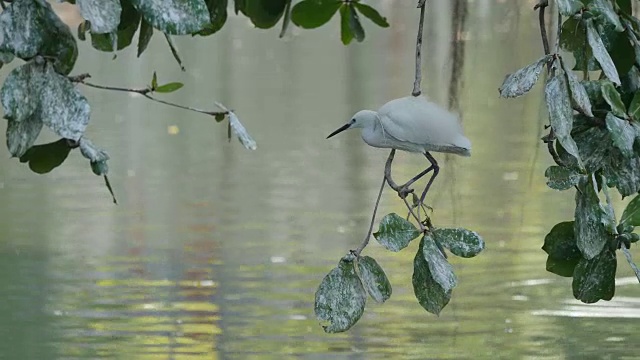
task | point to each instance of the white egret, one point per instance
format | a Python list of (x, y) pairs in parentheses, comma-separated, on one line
[(412, 124)]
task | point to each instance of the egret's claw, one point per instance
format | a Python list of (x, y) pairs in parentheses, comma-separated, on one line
[(403, 192)]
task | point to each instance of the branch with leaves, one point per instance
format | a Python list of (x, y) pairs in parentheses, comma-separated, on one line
[(594, 137)]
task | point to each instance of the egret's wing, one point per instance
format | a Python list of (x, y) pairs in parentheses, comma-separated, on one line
[(421, 122)]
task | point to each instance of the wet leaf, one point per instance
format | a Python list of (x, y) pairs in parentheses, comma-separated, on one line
[(622, 134), (578, 92), (123, 36), (601, 54), (431, 296), (560, 113), (591, 234), (460, 241), (521, 81), (218, 15), (561, 178), (20, 91), (631, 214), (372, 14), (310, 14), (569, 7), (605, 9), (374, 279), (612, 97), (44, 158), (340, 298), (30, 28), (594, 279), (439, 268), (560, 245), (170, 87), (634, 107), (174, 17), (395, 233), (104, 15), (21, 135), (144, 37)]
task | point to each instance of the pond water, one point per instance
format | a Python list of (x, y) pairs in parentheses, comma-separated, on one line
[(215, 252)]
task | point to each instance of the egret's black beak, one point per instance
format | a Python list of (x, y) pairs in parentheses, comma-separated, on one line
[(341, 129)]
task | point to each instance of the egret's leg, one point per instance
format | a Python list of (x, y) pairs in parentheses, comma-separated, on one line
[(436, 170)]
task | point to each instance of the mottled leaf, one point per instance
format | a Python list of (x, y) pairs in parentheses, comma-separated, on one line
[(372, 14), (459, 241), (601, 54), (560, 245), (44, 158), (431, 296), (239, 130), (19, 94), (591, 234), (605, 9), (374, 279), (521, 81), (578, 92), (439, 268), (561, 178), (123, 36), (218, 15), (594, 279), (395, 233), (631, 214), (634, 107), (310, 14), (569, 7), (174, 17), (622, 134), (21, 135), (30, 28), (144, 37), (92, 152), (340, 298), (612, 97), (170, 87), (104, 15), (560, 113)]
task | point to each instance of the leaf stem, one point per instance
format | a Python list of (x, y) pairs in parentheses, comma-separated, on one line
[(144, 92), (365, 242)]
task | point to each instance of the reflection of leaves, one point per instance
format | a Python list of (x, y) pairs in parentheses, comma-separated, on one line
[(44, 158), (340, 298), (374, 279)]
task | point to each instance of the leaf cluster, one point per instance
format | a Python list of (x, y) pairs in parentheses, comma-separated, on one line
[(594, 138)]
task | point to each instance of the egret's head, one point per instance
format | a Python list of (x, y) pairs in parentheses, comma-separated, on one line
[(361, 119)]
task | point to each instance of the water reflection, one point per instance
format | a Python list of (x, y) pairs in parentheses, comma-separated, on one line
[(215, 252)]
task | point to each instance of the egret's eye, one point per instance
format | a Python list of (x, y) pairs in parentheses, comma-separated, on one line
[(353, 121)]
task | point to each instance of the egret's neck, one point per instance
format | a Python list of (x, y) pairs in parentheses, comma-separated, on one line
[(367, 119)]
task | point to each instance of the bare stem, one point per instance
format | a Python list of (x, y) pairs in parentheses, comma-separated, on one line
[(365, 242), (542, 5), (416, 84), (144, 92)]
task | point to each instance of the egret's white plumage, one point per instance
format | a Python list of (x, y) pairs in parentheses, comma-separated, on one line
[(411, 124)]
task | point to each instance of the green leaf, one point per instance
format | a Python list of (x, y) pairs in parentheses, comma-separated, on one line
[(605, 9), (612, 97), (569, 7), (560, 113), (560, 245), (372, 14), (591, 234), (431, 296), (264, 14), (144, 37), (170, 87), (21, 135), (601, 54), (594, 279), (30, 28), (374, 279), (578, 92), (631, 214), (218, 15), (634, 107), (573, 38), (104, 15), (460, 241), (439, 268), (123, 36), (354, 23), (395, 233), (154, 81), (174, 17), (346, 34), (521, 81), (340, 298), (627, 255), (44, 158), (561, 178), (622, 134), (83, 27), (310, 14)]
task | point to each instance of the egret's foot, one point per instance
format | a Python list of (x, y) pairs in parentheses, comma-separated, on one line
[(403, 192)]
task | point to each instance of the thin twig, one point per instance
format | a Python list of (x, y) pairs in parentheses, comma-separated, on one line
[(542, 5), (416, 84), (144, 92), (558, 31), (365, 242)]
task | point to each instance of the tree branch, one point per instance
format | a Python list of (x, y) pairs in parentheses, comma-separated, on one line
[(144, 92), (416, 84), (365, 242)]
